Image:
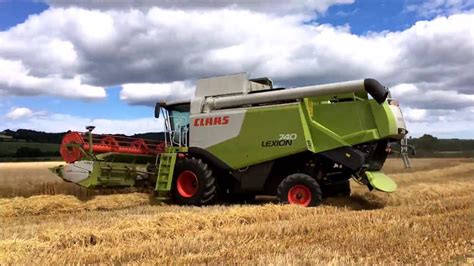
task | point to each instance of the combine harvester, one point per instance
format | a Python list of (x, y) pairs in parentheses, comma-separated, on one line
[(241, 137)]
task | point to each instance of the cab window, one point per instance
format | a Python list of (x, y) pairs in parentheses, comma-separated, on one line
[(179, 116)]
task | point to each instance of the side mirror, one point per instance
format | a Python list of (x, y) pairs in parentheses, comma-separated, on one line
[(157, 110)]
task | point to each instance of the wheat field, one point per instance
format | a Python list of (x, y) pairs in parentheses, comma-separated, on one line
[(429, 220)]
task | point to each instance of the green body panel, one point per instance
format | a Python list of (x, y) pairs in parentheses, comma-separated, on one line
[(305, 121), (384, 120), (117, 169), (113, 169), (346, 119), (321, 135), (263, 126), (380, 181), (319, 125), (111, 175)]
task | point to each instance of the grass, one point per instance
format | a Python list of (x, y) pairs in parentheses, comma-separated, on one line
[(427, 221)]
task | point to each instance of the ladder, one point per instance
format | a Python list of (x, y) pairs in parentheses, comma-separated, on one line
[(404, 152), (165, 174)]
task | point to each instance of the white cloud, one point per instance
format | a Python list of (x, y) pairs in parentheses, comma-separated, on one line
[(444, 126), (19, 112), (440, 129), (145, 93), (274, 6), (431, 8), (15, 79), (440, 122), (158, 53), (105, 48), (414, 114), (411, 95)]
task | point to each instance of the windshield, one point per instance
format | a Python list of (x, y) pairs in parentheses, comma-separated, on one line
[(179, 116)]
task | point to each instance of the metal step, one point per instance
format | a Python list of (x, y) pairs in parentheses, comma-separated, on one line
[(165, 173)]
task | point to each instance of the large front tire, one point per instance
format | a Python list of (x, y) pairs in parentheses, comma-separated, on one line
[(299, 189), (193, 183)]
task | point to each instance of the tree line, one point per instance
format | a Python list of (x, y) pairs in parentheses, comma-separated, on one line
[(425, 146)]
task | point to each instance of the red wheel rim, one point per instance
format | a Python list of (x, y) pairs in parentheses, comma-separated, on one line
[(187, 184), (299, 195)]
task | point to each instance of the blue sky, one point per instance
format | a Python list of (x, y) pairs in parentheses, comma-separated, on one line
[(16, 12), (371, 16), (376, 25)]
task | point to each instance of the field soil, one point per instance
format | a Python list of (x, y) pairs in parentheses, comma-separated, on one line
[(428, 220)]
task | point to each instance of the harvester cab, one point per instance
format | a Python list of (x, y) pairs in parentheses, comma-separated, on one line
[(240, 137), (176, 122)]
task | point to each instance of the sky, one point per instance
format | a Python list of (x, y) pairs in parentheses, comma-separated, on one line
[(64, 66)]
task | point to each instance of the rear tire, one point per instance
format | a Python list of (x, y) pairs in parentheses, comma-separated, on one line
[(299, 189), (193, 183)]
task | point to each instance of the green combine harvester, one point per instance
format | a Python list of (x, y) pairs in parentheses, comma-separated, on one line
[(240, 137)]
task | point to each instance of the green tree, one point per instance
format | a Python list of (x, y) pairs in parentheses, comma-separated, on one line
[(23, 152)]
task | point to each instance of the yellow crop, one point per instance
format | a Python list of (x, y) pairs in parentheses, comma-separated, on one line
[(429, 220)]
